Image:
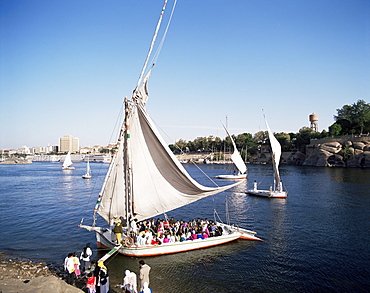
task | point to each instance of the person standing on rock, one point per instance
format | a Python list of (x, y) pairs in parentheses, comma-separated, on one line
[(102, 284), (85, 258), (144, 274), (69, 266)]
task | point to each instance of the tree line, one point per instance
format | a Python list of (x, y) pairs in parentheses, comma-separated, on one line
[(350, 120)]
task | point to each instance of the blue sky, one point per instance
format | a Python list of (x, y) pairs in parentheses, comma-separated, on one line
[(66, 66)]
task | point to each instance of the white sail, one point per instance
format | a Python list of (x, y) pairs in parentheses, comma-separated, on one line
[(276, 154), (67, 161), (88, 169), (236, 157), (159, 182), (87, 175)]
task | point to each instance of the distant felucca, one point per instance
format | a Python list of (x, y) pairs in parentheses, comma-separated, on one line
[(277, 189), (88, 170), (238, 162), (67, 162)]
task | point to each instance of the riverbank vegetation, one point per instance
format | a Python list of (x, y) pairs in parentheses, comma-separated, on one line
[(350, 120)]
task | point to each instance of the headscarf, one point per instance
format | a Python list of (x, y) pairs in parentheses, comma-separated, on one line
[(101, 264), (126, 279)]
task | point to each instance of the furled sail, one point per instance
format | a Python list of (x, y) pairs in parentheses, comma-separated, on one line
[(236, 157), (276, 154)]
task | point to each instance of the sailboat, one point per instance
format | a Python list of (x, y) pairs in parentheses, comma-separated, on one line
[(67, 162), (238, 162), (87, 175), (276, 190), (145, 180)]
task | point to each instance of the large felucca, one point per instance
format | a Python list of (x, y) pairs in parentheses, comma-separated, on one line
[(145, 180)]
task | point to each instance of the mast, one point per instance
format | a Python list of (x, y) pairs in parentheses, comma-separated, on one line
[(151, 46), (127, 162)]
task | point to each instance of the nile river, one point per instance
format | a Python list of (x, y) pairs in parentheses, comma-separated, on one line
[(317, 240)]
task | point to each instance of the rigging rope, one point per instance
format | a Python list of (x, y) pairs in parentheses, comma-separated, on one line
[(205, 174), (151, 45), (156, 54)]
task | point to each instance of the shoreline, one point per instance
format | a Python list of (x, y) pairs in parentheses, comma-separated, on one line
[(21, 274)]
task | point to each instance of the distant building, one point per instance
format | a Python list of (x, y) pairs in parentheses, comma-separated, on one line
[(38, 150), (55, 149), (51, 149), (314, 122), (24, 150), (68, 143)]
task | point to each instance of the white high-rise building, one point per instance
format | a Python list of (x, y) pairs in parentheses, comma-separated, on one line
[(68, 143)]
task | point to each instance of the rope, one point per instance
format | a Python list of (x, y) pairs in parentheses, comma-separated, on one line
[(205, 174), (216, 214), (156, 54)]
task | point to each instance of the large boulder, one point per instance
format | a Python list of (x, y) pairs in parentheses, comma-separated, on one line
[(347, 143), (358, 145), (332, 147), (322, 158), (367, 147), (335, 161)]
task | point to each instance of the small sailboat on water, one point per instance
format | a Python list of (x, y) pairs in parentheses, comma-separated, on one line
[(67, 164), (87, 175), (145, 180), (241, 172), (276, 190)]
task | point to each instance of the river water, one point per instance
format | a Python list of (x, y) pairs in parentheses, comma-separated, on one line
[(317, 240)]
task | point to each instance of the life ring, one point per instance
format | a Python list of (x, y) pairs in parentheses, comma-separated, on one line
[(128, 242)]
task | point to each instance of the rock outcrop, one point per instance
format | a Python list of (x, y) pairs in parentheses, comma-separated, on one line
[(340, 152)]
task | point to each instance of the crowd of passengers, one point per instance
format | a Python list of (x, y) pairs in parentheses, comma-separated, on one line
[(157, 232)]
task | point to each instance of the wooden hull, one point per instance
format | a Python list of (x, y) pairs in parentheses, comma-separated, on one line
[(177, 247), (268, 193), (86, 176), (68, 168)]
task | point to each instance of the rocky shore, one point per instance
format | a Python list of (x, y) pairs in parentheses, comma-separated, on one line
[(27, 276), (339, 152), (21, 275), (15, 161)]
